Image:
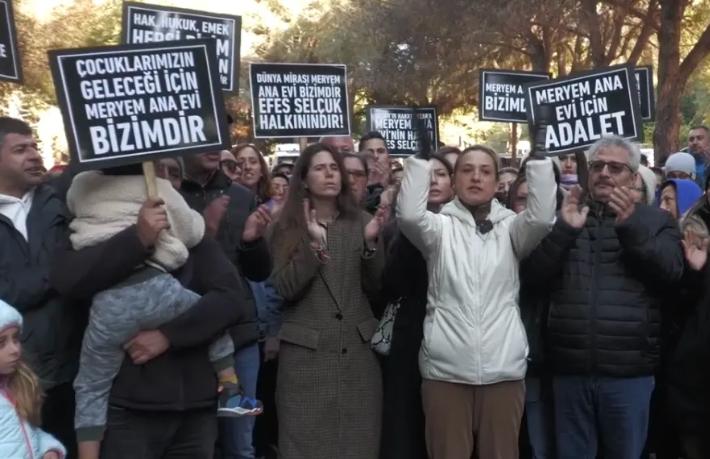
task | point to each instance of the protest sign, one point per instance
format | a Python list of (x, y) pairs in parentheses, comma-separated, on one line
[(143, 23), (299, 100), (10, 68), (502, 97), (586, 107), (647, 97), (397, 125), (133, 103)]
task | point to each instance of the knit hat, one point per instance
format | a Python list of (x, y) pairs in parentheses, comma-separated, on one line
[(680, 162), (648, 177), (9, 316)]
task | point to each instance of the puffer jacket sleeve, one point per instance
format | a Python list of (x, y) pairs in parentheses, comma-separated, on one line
[(46, 443), (531, 225), (422, 228), (651, 241), (545, 262)]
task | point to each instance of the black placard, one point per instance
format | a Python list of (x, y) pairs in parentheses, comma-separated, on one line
[(502, 95), (647, 96), (10, 67), (586, 107), (132, 103), (299, 100), (397, 125), (143, 23)]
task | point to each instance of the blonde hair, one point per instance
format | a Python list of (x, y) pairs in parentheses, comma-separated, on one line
[(26, 393)]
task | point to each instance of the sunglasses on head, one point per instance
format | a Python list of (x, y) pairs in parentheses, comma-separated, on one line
[(614, 167)]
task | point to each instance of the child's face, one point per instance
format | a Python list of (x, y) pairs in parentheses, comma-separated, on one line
[(10, 350)]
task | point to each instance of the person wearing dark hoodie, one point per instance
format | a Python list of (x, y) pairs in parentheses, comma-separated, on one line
[(678, 196)]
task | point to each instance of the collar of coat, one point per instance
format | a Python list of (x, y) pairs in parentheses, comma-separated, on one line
[(457, 210)]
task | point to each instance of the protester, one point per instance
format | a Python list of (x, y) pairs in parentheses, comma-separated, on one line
[(397, 172), (568, 171), (450, 153), (699, 147), (605, 264), (506, 177), (373, 147), (103, 204), (229, 165), (255, 172), (701, 209), (340, 143), (285, 168), (688, 378), (33, 225), (170, 169), (20, 398), (231, 215), (356, 168), (644, 190), (279, 192), (680, 165), (679, 195), (472, 248), (405, 280), (327, 258)]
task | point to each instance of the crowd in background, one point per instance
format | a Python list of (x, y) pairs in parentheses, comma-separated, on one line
[(558, 309)]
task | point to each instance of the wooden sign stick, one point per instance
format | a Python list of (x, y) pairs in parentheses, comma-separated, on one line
[(151, 184)]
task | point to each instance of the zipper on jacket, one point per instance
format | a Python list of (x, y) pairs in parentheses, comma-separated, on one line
[(596, 256)]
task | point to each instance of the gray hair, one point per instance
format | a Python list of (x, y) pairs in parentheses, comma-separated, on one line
[(614, 141)]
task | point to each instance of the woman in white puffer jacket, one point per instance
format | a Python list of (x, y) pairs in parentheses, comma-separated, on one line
[(473, 356)]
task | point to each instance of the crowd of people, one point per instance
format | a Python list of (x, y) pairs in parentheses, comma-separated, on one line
[(353, 305)]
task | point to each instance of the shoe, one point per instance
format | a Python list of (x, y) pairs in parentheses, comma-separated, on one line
[(233, 403)]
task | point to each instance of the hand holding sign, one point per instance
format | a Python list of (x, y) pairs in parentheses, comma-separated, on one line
[(152, 219)]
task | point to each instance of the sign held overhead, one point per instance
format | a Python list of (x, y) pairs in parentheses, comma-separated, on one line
[(133, 103), (299, 100), (143, 23), (10, 66), (647, 95), (399, 128), (502, 95), (586, 107)]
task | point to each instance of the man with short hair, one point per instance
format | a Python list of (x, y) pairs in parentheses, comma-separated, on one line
[(339, 143), (33, 224), (699, 147), (605, 265), (356, 168), (373, 147)]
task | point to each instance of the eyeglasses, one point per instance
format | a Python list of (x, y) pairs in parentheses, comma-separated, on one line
[(613, 167), (229, 164)]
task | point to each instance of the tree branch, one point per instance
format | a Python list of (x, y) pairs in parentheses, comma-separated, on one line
[(695, 56)]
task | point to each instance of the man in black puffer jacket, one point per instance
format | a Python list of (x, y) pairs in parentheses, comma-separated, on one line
[(606, 264)]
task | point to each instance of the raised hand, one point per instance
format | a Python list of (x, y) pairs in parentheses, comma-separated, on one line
[(316, 232), (571, 212), (695, 249), (257, 223), (376, 225), (622, 203), (214, 213)]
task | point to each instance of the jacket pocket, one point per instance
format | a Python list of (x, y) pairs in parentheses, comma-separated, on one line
[(367, 328), (299, 335)]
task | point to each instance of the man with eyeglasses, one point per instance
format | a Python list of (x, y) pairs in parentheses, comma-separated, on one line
[(699, 147), (605, 265), (356, 168)]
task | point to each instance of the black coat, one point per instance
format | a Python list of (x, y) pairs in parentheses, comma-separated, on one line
[(253, 260), (606, 283), (53, 325), (182, 378)]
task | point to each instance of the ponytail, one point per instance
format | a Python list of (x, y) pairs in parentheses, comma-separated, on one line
[(27, 394)]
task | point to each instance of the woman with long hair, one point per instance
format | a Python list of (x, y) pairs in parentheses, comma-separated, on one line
[(20, 398), (327, 258), (473, 355), (405, 280), (255, 171)]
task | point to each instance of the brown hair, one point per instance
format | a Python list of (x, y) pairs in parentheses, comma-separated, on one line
[(443, 151), (26, 393), (291, 225), (487, 150), (263, 188)]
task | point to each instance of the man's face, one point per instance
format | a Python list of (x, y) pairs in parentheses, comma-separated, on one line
[(698, 141), (21, 165), (341, 144), (377, 149), (610, 169), (202, 162)]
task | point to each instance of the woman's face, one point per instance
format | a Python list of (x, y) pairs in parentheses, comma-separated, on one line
[(638, 192), (230, 166), (520, 200), (279, 189), (324, 179), (668, 201), (475, 178), (248, 159), (568, 164), (440, 190)]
